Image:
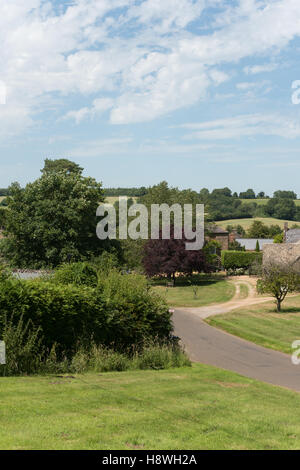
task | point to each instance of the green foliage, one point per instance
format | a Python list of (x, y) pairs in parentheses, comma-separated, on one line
[(285, 195), (23, 346), (52, 220), (222, 206), (156, 356), (133, 254), (278, 238), (259, 230), (212, 254), (278, 281), (4, 202), (130, 192), (61, 164), (239, 259), (249, 194), (122, 311), (3, 213), (257, 248), (79, 274), (236, 228), (281, 208), (236, 246), (106, 262)]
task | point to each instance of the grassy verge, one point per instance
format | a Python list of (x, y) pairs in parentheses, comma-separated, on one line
[(202, 291), (190, 408), (262, 325)]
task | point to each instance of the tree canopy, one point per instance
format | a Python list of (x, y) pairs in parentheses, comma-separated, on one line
[(61, 164), (278, 281), (166, 257), (53, 220)]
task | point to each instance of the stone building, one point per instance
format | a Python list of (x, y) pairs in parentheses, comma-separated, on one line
[(286, 253), (220, 235)]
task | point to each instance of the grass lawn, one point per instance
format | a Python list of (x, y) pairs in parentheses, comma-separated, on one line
[(191, 408), (208, 291), (261, 325), (245, 223)]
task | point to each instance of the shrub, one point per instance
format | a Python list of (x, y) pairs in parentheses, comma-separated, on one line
[(239, 259), (139, 313), (122, 311), (80, 274), (23, 347)]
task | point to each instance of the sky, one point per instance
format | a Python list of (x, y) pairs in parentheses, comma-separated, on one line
[(201, 93)]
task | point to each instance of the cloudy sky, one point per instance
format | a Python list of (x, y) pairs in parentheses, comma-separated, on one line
[(197, 92)]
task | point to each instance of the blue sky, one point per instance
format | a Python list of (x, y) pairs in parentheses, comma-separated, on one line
[(196, 92)]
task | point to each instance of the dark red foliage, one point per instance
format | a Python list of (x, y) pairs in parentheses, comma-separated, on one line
[(170, 256)]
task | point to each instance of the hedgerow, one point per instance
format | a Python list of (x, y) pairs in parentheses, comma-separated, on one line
[(121, 312), (239, 259)]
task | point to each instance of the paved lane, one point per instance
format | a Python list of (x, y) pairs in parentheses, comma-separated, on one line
[(211, 346)]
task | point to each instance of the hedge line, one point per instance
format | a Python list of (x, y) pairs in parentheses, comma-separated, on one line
[(239, 259), (68, 314)]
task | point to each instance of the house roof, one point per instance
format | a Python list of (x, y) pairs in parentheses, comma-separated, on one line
[(217, 230), (250, 243), (293, 235)]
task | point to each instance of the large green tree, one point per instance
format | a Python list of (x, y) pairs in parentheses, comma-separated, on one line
[(278, 281), (53, 220), (61, 164)]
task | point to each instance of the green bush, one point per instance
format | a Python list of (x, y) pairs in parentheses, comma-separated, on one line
[(239, 259), (79, 274), (24, 349), (122, 311)]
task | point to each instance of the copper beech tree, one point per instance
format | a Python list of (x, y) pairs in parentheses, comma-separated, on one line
[(167, 257)]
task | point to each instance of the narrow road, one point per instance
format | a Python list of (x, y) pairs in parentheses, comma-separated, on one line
[(212, 346)]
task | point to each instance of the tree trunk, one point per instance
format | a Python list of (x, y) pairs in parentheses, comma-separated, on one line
[(278, 305)]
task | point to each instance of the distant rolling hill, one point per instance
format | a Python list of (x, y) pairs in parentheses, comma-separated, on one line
[(245, 223)]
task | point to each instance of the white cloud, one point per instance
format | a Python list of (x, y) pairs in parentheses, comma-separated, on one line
[(99, 106), (244, 125), (142, 53), (254, 69), (101, 147)]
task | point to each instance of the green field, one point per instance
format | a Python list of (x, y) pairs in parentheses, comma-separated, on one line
[(263, 202), (262, 325), (190, 408), (245, 223), (207, 292), (113, 199)]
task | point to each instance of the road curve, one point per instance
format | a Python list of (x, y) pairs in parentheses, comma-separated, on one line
[(212, 346)]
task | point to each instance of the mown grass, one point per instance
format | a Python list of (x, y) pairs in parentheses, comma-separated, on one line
[(262, 325), (197, 292), (190, 408)]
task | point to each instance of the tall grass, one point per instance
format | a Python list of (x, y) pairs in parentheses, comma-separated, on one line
[(26, 355), (24, 351)]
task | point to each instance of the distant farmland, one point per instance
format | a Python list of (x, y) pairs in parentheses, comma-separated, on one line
[(263, 202), (245, 223)]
